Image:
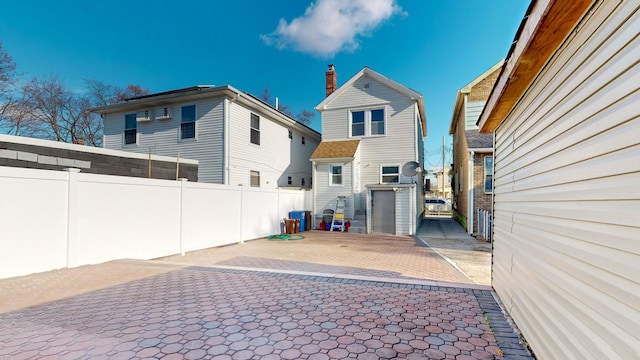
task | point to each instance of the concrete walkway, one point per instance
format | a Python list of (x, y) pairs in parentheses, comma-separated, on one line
[(329, 305), (467, 254)]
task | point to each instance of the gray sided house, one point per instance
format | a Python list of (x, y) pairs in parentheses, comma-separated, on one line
[(372, 126), (472, 152), (565, 112), (237, 138)]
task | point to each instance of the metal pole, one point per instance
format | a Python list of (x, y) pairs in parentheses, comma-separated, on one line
[(149, 162), (443, 196), (178, 165)]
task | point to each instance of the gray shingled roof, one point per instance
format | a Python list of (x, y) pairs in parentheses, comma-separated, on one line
[(475, 140)]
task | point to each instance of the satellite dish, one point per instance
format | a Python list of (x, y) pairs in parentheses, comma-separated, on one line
[(411, 168)]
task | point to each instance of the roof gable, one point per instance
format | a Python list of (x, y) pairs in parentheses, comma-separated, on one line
[(411, 94)]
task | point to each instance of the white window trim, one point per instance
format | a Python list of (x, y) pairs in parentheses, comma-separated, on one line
[(124, 140), (390, 165), (484, 178), (367, 121), (331, 166), (259, 130), (195, 125)]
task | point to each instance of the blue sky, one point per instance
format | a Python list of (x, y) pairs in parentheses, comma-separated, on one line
[(433, 47)]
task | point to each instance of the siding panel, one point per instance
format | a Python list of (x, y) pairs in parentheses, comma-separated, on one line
[(567, 196)]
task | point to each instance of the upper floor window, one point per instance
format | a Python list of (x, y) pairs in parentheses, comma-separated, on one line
[(357, 123), (390, 174), (289, 180), (377, 122), (488, 174), (303, 141), (290, 134), (130, 129), (302, 182), (188, 124), (255, 129), (368, 122), (254, 178), (335, 174)]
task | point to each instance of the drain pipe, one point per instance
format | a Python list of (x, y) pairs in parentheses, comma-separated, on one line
[(470, 212)]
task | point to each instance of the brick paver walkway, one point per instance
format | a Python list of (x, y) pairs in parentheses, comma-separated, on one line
[(334, 252), (208, 313)]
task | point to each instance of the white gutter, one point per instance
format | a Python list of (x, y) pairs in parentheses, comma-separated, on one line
[(313, 192)]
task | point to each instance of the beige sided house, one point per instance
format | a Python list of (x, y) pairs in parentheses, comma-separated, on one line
[(472, 152), (565, 112), (236, 138), (372, 127)]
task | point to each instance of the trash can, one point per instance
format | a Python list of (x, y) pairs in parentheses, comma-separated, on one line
[(290, 225), (298, 214), (327, 218), (308, 223)]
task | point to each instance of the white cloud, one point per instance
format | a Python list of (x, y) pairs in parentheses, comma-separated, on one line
[(330, 26)]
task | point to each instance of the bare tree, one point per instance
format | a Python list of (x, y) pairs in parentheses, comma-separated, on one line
[(7, 82), (305, 116)]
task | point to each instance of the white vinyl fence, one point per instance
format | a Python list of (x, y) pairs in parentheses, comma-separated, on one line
[(57, 219)]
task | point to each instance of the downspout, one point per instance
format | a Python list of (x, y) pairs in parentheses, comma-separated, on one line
[(470, 212), (313, 192)]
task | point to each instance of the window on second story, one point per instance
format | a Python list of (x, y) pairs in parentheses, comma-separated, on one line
[(302, 182), (289, 180), (130, 129), (188, 124), (255, 129), (377, 122), (368, 123), (335, 174), (389, 174), (303, 141), (290, 134), (488, 174), (357, 123)]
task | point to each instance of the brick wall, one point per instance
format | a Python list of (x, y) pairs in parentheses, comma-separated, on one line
[(460, 158), (482, 90), (480, 199)]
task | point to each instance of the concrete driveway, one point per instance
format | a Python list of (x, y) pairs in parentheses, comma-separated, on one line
[(332, 299)]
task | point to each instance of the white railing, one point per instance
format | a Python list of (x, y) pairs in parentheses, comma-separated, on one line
[(484, 224), (56, 219)]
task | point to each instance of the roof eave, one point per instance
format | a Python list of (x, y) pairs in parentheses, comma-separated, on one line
[(545, 27)]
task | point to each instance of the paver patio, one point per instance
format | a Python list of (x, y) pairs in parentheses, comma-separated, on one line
[(292, 304)]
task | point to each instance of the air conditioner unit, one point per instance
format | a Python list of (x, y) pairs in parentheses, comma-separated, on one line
[(143, 116), (163, 113)]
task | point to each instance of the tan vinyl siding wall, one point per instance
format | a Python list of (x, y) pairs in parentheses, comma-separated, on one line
[(163, 136), (567, 196)]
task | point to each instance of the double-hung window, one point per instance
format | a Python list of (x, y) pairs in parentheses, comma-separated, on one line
[(389, 174), (368, 122), (377, 122), (255, 129), (335, 174), (188, 124), (488, 174), (357, 123), (130, 129)]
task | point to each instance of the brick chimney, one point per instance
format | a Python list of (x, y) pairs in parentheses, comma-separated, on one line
[(332, 79)]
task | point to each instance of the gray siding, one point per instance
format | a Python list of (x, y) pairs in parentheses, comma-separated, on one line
[(567, 196), (472, 114), (326, 195), (163, 137), (277, 156)]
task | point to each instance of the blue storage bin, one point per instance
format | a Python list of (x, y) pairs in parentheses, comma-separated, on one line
[(298, 214)]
